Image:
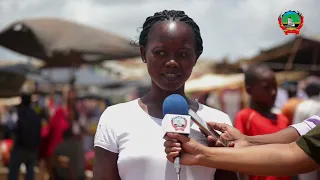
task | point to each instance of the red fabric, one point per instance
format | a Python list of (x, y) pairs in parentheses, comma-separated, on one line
[(258, 125), (5, 150), (51, 103), (52, 134), (89, 158)]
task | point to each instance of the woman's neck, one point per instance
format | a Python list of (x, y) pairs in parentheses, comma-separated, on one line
[(157, 95), (152, 102)]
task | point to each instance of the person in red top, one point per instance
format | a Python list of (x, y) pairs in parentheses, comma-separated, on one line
[(52, 134), (261, 85)]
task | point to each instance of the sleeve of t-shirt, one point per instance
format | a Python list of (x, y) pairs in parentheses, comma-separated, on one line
[(105, 136), (310, 143), (239, 122), (307, 125)]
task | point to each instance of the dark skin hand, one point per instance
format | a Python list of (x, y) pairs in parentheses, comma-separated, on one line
[(171, 49), (264, 160), (237, 139)]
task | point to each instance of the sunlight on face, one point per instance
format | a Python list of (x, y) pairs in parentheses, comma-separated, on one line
[(172, 26)]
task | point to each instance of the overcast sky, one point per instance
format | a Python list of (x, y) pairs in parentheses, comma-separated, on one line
[(232, 28)]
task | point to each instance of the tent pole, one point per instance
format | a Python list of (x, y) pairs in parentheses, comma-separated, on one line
[(293, 53)]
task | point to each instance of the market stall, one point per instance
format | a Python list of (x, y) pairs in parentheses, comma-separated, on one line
[(227, 92)]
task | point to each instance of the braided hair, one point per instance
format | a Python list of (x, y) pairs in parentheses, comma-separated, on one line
[(175, 16)]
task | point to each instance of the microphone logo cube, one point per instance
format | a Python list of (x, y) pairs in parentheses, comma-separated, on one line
[(174, 123), (179, 123)]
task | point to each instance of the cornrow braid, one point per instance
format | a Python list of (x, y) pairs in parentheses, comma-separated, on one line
[(175, 16)]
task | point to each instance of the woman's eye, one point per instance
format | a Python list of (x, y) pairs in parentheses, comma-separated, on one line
[(183, 54), (160, 53)]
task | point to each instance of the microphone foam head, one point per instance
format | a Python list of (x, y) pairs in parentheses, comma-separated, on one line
[(175, 104)]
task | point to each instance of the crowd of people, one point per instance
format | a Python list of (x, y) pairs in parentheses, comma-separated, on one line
[(53, 133)]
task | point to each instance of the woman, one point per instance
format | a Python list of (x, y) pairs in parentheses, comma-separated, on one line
[(129, 139)]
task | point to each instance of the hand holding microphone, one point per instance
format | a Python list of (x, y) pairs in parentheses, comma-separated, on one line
[(176, 120), (176, 125), (193, 151)]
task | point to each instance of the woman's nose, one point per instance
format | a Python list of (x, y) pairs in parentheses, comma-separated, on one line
[(172, 63)]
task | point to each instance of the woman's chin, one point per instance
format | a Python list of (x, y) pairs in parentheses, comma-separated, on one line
[(171, 87)]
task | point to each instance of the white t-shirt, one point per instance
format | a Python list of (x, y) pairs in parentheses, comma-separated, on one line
[(137, 137), (306, 109)]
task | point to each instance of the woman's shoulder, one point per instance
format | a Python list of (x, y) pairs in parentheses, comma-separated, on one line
[(211, 114), (122, 106), (118, 111)]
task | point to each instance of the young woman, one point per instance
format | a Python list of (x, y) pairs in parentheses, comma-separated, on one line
[(129, 139)]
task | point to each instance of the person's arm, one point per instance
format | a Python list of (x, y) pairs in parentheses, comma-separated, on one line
[(261, 160), (105, 165), (237, 139), (106, 148), (240, 123), (307, 125), (287, 135), (300, 157), (284, 136)]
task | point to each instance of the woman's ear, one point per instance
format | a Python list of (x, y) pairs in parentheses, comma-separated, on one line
[(143, 54)]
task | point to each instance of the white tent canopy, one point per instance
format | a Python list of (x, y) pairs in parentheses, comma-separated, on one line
[(211, 82)]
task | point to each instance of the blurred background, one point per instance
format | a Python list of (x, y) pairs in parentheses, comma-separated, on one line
[(79, 54)]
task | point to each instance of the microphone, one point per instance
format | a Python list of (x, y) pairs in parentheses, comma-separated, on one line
[(176, 120)]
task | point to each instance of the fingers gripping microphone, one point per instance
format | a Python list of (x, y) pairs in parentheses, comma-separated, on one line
[(176, 120)]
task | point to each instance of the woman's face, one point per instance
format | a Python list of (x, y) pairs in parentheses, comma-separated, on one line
[(170, 54)]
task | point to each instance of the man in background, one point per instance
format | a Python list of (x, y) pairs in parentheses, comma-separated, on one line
[(27, 140)]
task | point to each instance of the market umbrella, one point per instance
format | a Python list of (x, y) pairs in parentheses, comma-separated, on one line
[(62, 43)]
